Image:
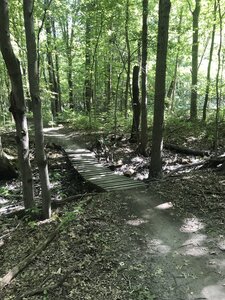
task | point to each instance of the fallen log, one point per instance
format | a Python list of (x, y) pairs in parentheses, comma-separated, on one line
[(7, 278), (21, 212), (7, 171), (53, 286), (188, 151), (208, 163), (181, 168), (57, 203), (214, 162)]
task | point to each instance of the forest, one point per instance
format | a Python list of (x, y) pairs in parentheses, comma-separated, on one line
[(112, 149)]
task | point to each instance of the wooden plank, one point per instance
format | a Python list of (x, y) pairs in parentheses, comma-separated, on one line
[(93, 171)]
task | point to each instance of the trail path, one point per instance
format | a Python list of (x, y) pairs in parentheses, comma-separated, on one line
[(184, 260)]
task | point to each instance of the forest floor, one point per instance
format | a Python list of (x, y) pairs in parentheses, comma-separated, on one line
[(166, 242)]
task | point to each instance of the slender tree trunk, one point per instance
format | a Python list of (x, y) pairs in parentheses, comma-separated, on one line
[(218, 98), (51, 70), (195, 42), (88, 83), (155, 169), (33, 76), (144, 127), (128, 57), (57, 69), (70, 79), (108, 85), (171, 91), (136, 106), (17, 107), (208, 80)]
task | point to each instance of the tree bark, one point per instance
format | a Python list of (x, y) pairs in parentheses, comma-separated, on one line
[(208, 80), (172, 88), (33, 76), (136, 106), (194, 76), (218, 93), (155, 169), (7, 171), (144, 127), (57, 68), (17, 105), (128, 57), (51, 70), (88, 83)]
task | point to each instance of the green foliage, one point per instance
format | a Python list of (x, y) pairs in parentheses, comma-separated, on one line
[(4, 191)]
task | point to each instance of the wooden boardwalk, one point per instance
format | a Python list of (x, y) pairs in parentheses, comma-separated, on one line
[(85, 163)]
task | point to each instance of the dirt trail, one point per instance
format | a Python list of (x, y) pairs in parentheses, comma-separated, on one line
[(185, 262)]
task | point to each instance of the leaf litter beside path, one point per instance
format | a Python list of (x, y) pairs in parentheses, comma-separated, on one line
[(97, 242)]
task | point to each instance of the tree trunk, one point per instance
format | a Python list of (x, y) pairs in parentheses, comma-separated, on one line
[(171, 91), (51, 70), (208, 80), (194, 75), (155, 169), (57, 69), (88, 83), (128, 57), (17, 105), (7, 171), (144, 127), (136, 106), (218, 94), (33, 76), (68, 35)]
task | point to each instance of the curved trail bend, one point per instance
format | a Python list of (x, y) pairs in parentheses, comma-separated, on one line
[(184, 261)]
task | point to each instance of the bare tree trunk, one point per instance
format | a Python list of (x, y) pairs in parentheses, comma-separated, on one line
[(208, 80), (172, 88), (7, 171), (33, 76), (218, 96), (136, 106), (194, 83), (57, 69), (17, 107), (155, 169), (128, 57), (88, 83), (51, 70), (144, 127)]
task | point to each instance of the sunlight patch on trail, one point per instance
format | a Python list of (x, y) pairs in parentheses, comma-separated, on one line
[(136, 222), (192, 225), (214, 292), (166, 205), (196, 240), (157, 246)]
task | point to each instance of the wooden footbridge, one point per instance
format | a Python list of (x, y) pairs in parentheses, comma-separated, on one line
[(85, 163)]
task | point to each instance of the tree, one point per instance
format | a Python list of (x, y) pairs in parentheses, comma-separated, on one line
[(172, 87), (208, 80), (7, 171), (88, 84), (194, 74), (33, 75), (218, 88), (155, 169), (17, 105), (127, 18), (136, 106), (144, 126), (53, 84)]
